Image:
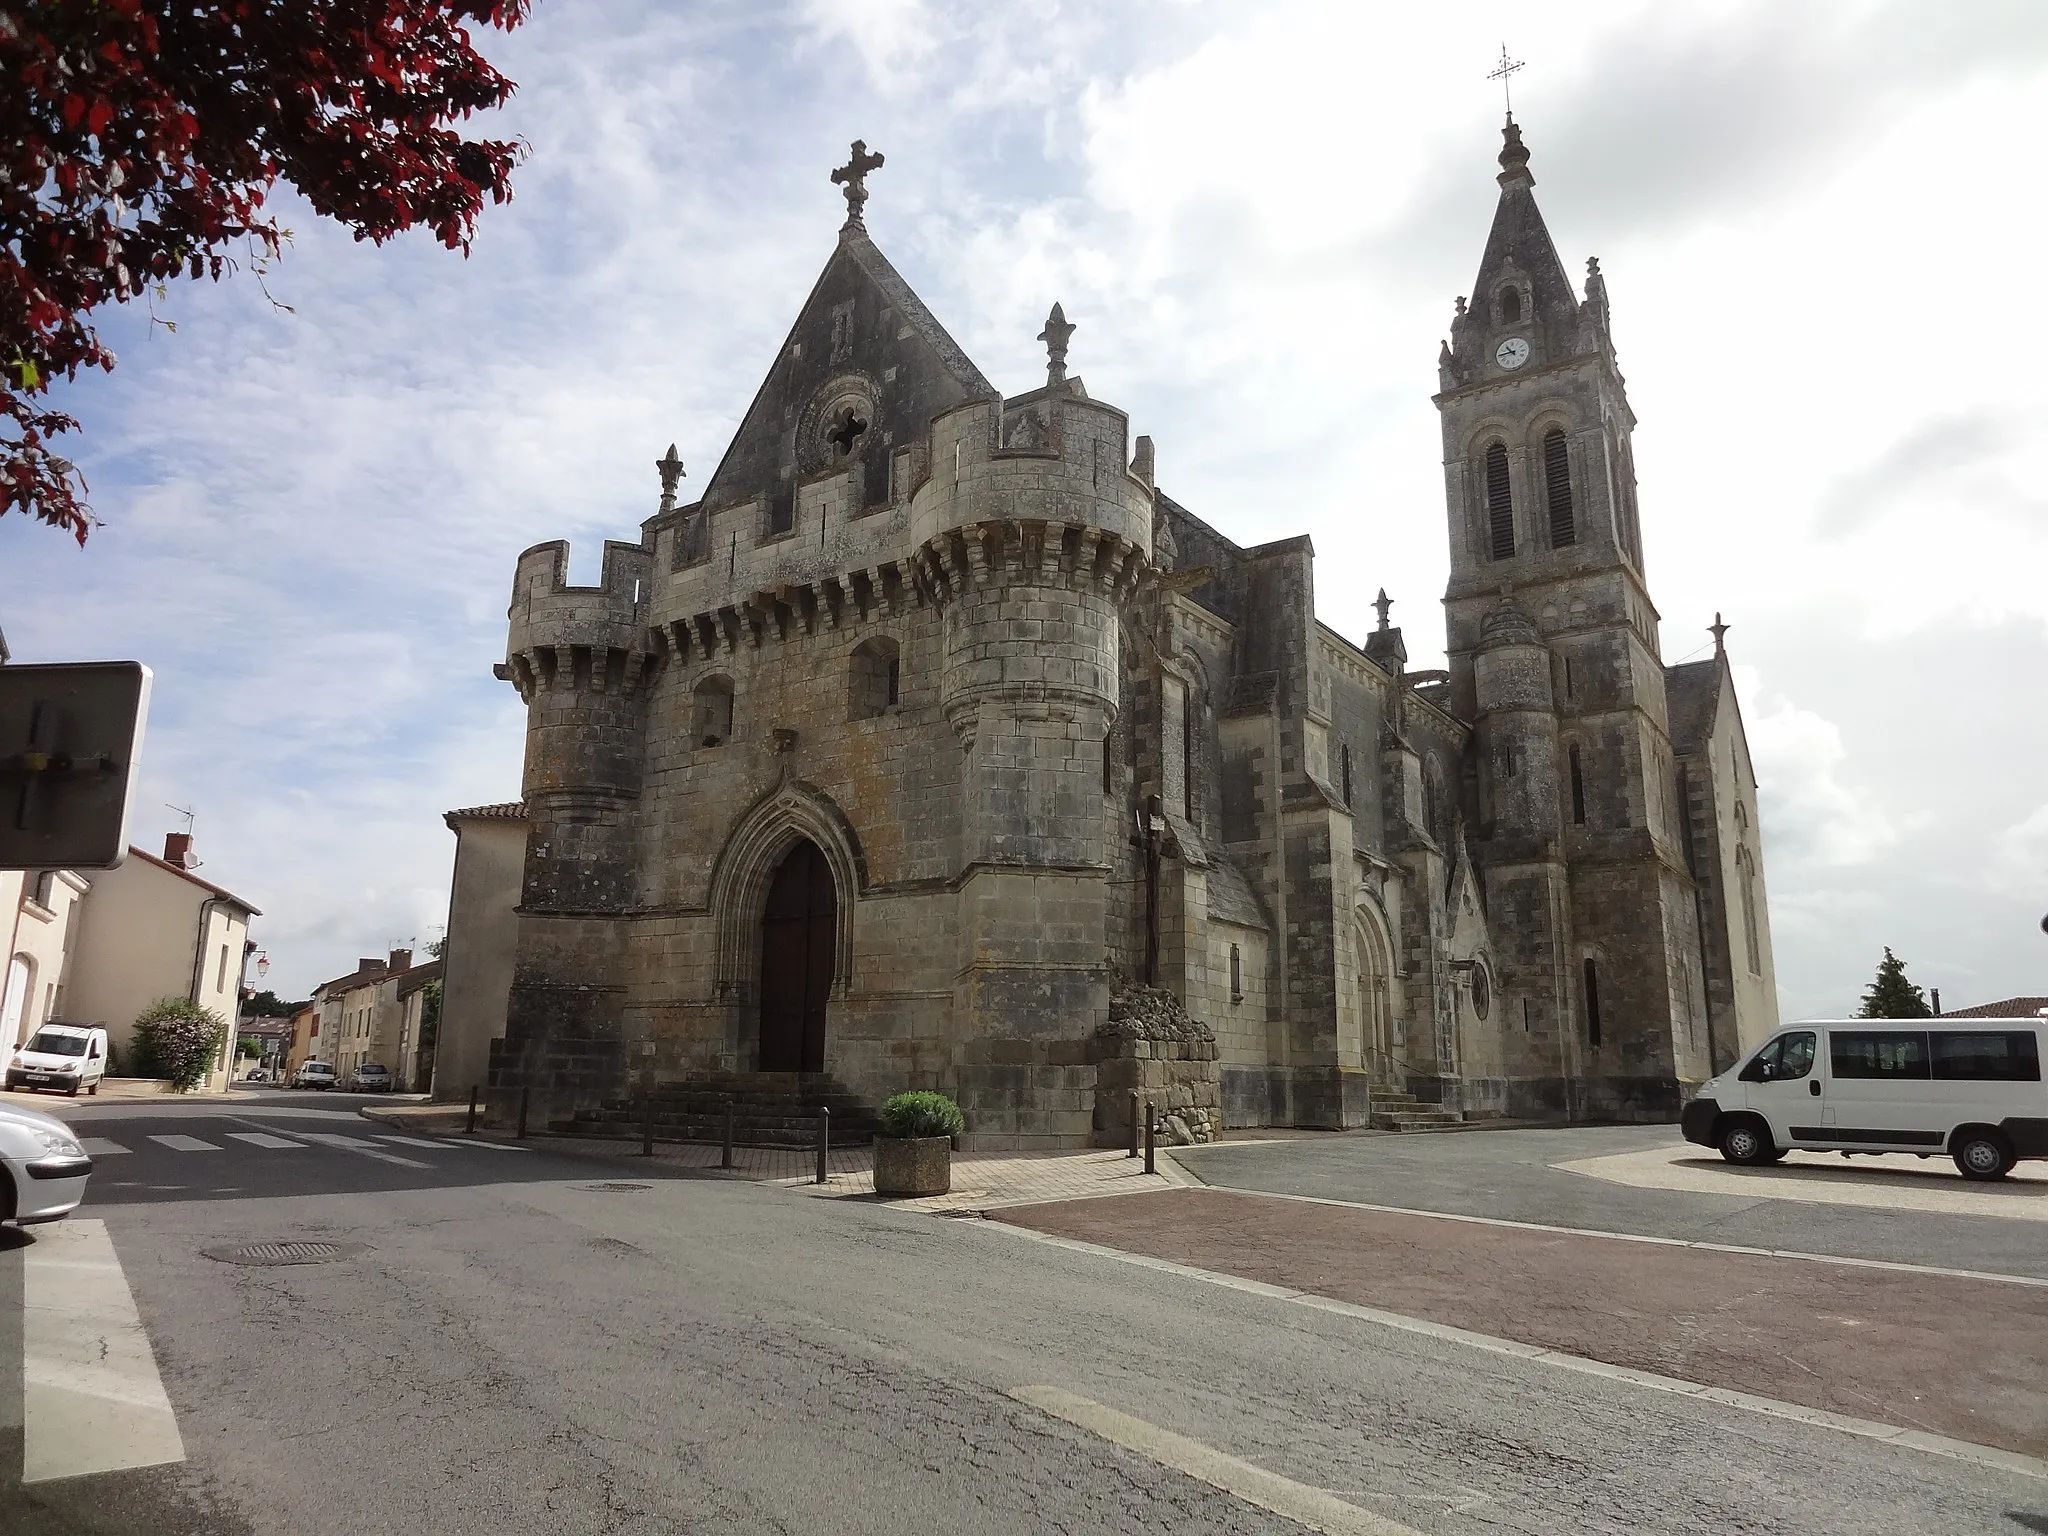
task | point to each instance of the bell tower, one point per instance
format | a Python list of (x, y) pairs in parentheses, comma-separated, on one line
[(1553, 654)]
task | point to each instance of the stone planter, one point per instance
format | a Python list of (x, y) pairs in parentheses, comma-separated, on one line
[(922, 1165)]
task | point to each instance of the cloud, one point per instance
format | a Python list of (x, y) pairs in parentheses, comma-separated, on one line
[(1813, 818), (1940, 461), (2019, 859)]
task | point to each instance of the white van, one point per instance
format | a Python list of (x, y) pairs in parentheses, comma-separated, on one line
[(66, 1056), (1968, 1087)]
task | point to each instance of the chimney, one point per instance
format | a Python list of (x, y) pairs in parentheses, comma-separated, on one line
[(369, 963), (178, 850), (401, 960), (1937, 1002)]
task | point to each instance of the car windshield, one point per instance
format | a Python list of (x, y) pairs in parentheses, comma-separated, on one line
[(50, 1043)]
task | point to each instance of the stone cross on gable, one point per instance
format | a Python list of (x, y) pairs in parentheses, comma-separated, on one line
[(853, 176)]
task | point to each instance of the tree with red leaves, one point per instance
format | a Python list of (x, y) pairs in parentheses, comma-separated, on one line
[(140, 139)]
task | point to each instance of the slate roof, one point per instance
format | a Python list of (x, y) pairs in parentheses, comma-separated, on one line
[(2010, 1008), (1692, 694)]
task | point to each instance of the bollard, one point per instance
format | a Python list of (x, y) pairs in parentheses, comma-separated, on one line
[(1148, 1137), (1134, 1124), (824, 1139), (725, 1155), (647, 1122), (469, 1128), (522, 1112)]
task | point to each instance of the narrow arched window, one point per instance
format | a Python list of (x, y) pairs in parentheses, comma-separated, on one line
[(874, 679), (1187, 758), (1510, 305), (1500, 504), (1592, 1004), (1578, 787), (1236, 975), (1346, 765), (1752, 950), (1557, 489), (712, 713)]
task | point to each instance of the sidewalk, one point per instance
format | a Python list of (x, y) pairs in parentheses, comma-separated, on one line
[(980, 1182)]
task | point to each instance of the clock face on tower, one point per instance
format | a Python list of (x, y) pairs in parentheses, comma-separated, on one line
[(1512, 353)]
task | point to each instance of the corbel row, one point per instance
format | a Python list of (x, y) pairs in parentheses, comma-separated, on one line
[(586, 668), (1004, 550), (885, 590)]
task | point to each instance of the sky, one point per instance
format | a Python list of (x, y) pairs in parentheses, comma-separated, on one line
[(1819, 224)]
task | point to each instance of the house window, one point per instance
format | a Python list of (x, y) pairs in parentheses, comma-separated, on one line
[(1500, 504), (1578, 788), (1236, 975), (1592, 1004), (1557, 488), (220, 979), (875, 679), (712, 725)]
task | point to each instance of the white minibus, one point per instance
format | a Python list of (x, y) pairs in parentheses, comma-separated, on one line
[(1969, 1087)]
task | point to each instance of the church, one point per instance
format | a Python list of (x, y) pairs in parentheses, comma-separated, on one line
[(936, 731)]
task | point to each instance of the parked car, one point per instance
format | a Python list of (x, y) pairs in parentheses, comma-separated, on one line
[(45, 1167), (371, 1077), (62, 1056), (1969, 1087), (315, 1074)]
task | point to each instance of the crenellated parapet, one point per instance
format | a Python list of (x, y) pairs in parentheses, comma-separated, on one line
[(591, 639), (1006, 552), (1053, 458)]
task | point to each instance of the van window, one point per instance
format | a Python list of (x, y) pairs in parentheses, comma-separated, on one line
[(1891, 1053), (1789, 1057), (51, 1043), (2003, 1057)]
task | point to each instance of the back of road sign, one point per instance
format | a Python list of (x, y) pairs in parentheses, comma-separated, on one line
[(70, 738)]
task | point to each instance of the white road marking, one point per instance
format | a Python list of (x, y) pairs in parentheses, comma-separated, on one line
[(267, 1141), (414, 1141), (1656, 1242), (92, 1400), (185, 1143), (1305, 1506), (361, 1148), (99, 1146), (487, 1146), (1871, 1429)]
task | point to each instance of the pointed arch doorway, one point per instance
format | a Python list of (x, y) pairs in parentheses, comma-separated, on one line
[(798, 932)]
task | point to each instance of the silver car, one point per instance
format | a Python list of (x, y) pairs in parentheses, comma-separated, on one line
[(46, 1168)]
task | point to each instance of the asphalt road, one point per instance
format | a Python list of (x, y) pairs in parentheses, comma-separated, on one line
[(1509, 1175), (516, 1350)]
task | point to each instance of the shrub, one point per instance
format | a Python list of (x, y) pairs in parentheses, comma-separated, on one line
[(912, 1115), (178, 1041)]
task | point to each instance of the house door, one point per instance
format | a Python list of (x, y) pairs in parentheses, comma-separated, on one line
[(797, 935)]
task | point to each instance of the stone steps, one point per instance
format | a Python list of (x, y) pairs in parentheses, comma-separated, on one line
[(1405, 1112)]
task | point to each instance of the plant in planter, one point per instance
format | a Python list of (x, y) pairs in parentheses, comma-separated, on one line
[(916, 1156)]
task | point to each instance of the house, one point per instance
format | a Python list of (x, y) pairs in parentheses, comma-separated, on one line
[(152, 929), (373, 1015), (39, 906), (305, 1026)]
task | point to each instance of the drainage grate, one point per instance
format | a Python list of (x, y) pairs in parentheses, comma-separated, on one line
[(286, 1253), (613, 1189)]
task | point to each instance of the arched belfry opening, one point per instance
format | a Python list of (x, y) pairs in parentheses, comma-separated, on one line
[(799, 938)]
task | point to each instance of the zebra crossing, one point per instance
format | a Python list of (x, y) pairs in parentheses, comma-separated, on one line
[(97, 1147)]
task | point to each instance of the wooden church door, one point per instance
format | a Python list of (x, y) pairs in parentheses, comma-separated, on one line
[(798, 932)]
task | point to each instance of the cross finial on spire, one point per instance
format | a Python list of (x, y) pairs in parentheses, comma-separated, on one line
[(853, 176), (670, 468), (1504, 72), (1383, 603), (1057, 330), (1717, 629)]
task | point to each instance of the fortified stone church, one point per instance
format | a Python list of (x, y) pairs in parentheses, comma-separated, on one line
[(935, 730)]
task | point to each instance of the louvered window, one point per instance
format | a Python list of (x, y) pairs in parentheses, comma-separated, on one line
[(1500, 505), (1557, 486)]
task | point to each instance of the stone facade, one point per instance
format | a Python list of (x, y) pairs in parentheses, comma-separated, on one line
[(934, 721)]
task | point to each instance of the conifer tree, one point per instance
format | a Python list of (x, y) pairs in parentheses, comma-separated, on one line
[(1891, 995)]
